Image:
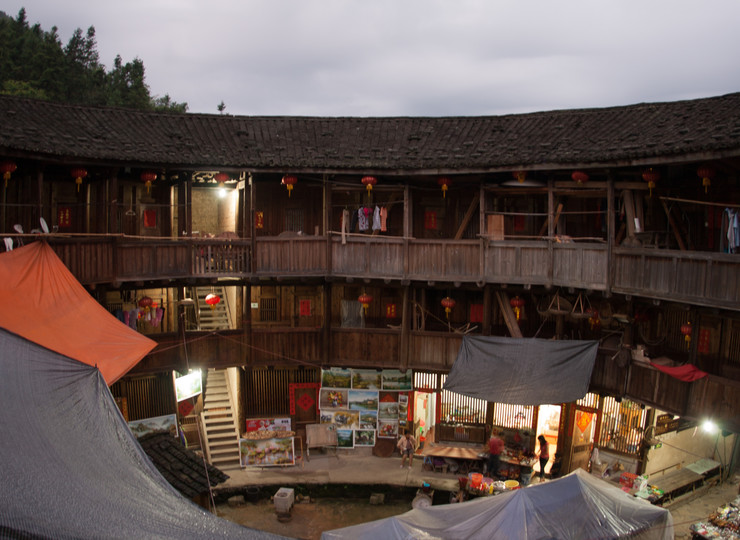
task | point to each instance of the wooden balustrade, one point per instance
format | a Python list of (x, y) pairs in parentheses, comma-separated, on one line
[(699, 278)]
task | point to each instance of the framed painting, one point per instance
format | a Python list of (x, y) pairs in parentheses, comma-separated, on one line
[(336, 377), (388, 429), (363, 400), (367, 379), (365, 437), (369, 420), (333, 398), (393, 379), (345, 438), (267, 452)]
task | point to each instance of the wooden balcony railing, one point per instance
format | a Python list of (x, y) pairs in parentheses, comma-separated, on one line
[(699, 278)]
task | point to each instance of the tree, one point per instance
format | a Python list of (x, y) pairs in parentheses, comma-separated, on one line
[(221, 107), (34, 64)]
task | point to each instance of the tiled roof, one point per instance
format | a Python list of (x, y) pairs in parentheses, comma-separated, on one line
[(708, 127), (181, 467)]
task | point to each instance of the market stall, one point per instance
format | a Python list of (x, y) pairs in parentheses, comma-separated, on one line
[(723, 523)]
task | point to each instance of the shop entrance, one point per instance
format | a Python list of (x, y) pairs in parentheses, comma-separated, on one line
[(548, 424), (584, 430), (425, 404)]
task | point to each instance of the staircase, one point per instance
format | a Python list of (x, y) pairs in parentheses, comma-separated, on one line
[(211, 317), (221, 433)]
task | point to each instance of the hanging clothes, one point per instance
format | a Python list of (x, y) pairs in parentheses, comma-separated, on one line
[(354, 217), (362, 218), (376, 219), (730, 239), (383, 218)]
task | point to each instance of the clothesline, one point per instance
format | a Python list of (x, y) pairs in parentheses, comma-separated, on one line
[(704, 203)]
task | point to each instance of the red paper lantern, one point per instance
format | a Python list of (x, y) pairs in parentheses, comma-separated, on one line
[(444, 183), (520, 176), (651, 176), (686, 331), (517, 303), (365, 300), (212, 300), (221, 178), (448, 303), (145, 303), (579, 177), (289, 181), (706, 173), (148, 177), (78, 173), (369, 182), (593, 319), (7, 167)]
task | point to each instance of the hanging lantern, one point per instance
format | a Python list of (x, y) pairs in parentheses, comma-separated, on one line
[(369, 182), (148, 177), (686, 331), (706, 173), (444, 183), (145, 303), (221, 178), (579, 177), (520, 176), (593, 319), (517, 303), (365, 300), (651, 176), (7, 167), (78, 173), (289, 181), (212, 300), (448, 303)]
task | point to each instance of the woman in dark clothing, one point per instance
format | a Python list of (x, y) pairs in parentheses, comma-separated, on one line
[(544, 456)]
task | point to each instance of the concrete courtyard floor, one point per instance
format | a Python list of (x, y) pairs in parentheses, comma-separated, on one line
[(355, 474)]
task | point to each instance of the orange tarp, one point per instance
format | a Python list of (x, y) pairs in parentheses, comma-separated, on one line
[(43, 302)]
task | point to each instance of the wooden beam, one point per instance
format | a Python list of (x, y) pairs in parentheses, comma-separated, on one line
[(468, 216), (508, 313), (543, 229), (674, 226)]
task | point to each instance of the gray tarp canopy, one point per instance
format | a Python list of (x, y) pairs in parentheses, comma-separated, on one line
[(522, 371), (71, 466), (576, 507)]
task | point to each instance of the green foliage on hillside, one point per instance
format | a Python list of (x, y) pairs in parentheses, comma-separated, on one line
[(35, 64)]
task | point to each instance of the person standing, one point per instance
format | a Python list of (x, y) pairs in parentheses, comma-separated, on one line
[(407, 445), (495, 448), (544, 454)]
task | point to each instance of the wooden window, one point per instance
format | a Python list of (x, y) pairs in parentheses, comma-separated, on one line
[(294, 219), (268, 309)]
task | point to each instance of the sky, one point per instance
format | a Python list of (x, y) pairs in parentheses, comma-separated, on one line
[(411, 57)]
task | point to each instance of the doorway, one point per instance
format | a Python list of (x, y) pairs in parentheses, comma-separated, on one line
[(425, 404), (548, 424), (584, 430)]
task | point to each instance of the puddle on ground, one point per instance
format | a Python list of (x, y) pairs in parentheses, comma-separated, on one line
[(309, 520)]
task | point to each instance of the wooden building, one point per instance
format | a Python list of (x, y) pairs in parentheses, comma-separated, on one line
[(608, 224)]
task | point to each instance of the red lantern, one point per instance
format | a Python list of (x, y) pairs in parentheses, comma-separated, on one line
[(369, 182), (221, 178), (289, 181), (579, 177), (212, 300), (686, 331), (651, 176), (448, 303), (365, 300), (78, 173), (444, 183), (706, 173), (593, 319), (520, 176), (145, 303), (517, 303), (7, 167), (148, 177)]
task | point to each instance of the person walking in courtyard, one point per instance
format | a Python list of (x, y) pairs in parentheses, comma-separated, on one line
[(495, 448), (544, 454), (406, 445)]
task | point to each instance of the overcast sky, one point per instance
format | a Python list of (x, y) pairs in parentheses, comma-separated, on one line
[(411, 57)]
